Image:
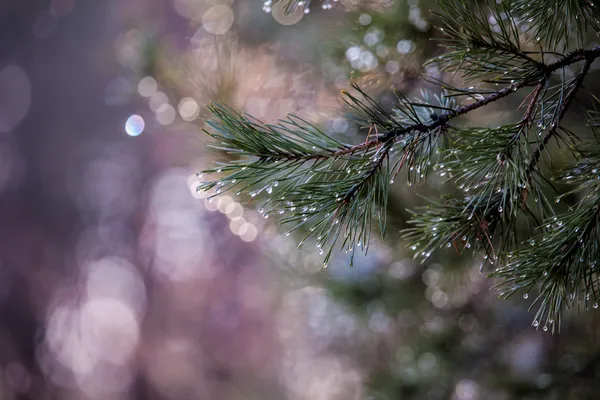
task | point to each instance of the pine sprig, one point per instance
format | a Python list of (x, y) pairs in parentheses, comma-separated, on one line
[(334, 189), (335, 192), (566, 96), (484, 43), (559, 24), (561, 261)]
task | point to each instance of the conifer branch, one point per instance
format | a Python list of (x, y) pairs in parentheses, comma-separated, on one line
[(563, 109), (334, 191)]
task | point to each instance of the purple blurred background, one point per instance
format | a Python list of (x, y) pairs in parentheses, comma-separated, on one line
[(115, 282)]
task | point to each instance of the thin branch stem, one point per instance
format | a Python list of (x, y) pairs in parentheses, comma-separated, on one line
[(574, 57), (569, 59), (528, 117), (443, 119), (564, 107)]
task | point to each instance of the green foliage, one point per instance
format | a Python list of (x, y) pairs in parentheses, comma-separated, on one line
[(485, 43), (501, 204), (335, 189), (559, 24), (561, 260)]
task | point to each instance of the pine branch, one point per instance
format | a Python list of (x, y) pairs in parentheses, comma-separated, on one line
[(563, 257), (563, 109), (485, 43), (337, 190), (555, 22), (543, 73), (504, 179)]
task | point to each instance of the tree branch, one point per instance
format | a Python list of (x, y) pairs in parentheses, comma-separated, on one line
[(564, 107), (574, 57), (569, 59)]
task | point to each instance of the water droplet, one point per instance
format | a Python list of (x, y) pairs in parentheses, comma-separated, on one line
[(218, 191), (261, 210), (500, 209), (287, 234), (413, 247), (253, 194), (320, 252), (468, 245), (525, 296), (536, 323), (595, 305), (269, 189), (448, 244), (275, 184), (266, 215), (545, 328)]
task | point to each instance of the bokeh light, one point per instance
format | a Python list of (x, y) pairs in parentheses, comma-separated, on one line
[(218, 19), (248, 232), (188, 109), (165, 114), (157, 100), (135, 125), (147, 86), (286, 18)]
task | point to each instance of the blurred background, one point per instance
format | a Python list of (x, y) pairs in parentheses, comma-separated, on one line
[(119, 281)]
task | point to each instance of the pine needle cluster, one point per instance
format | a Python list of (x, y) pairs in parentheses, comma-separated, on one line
[(504, 206)]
